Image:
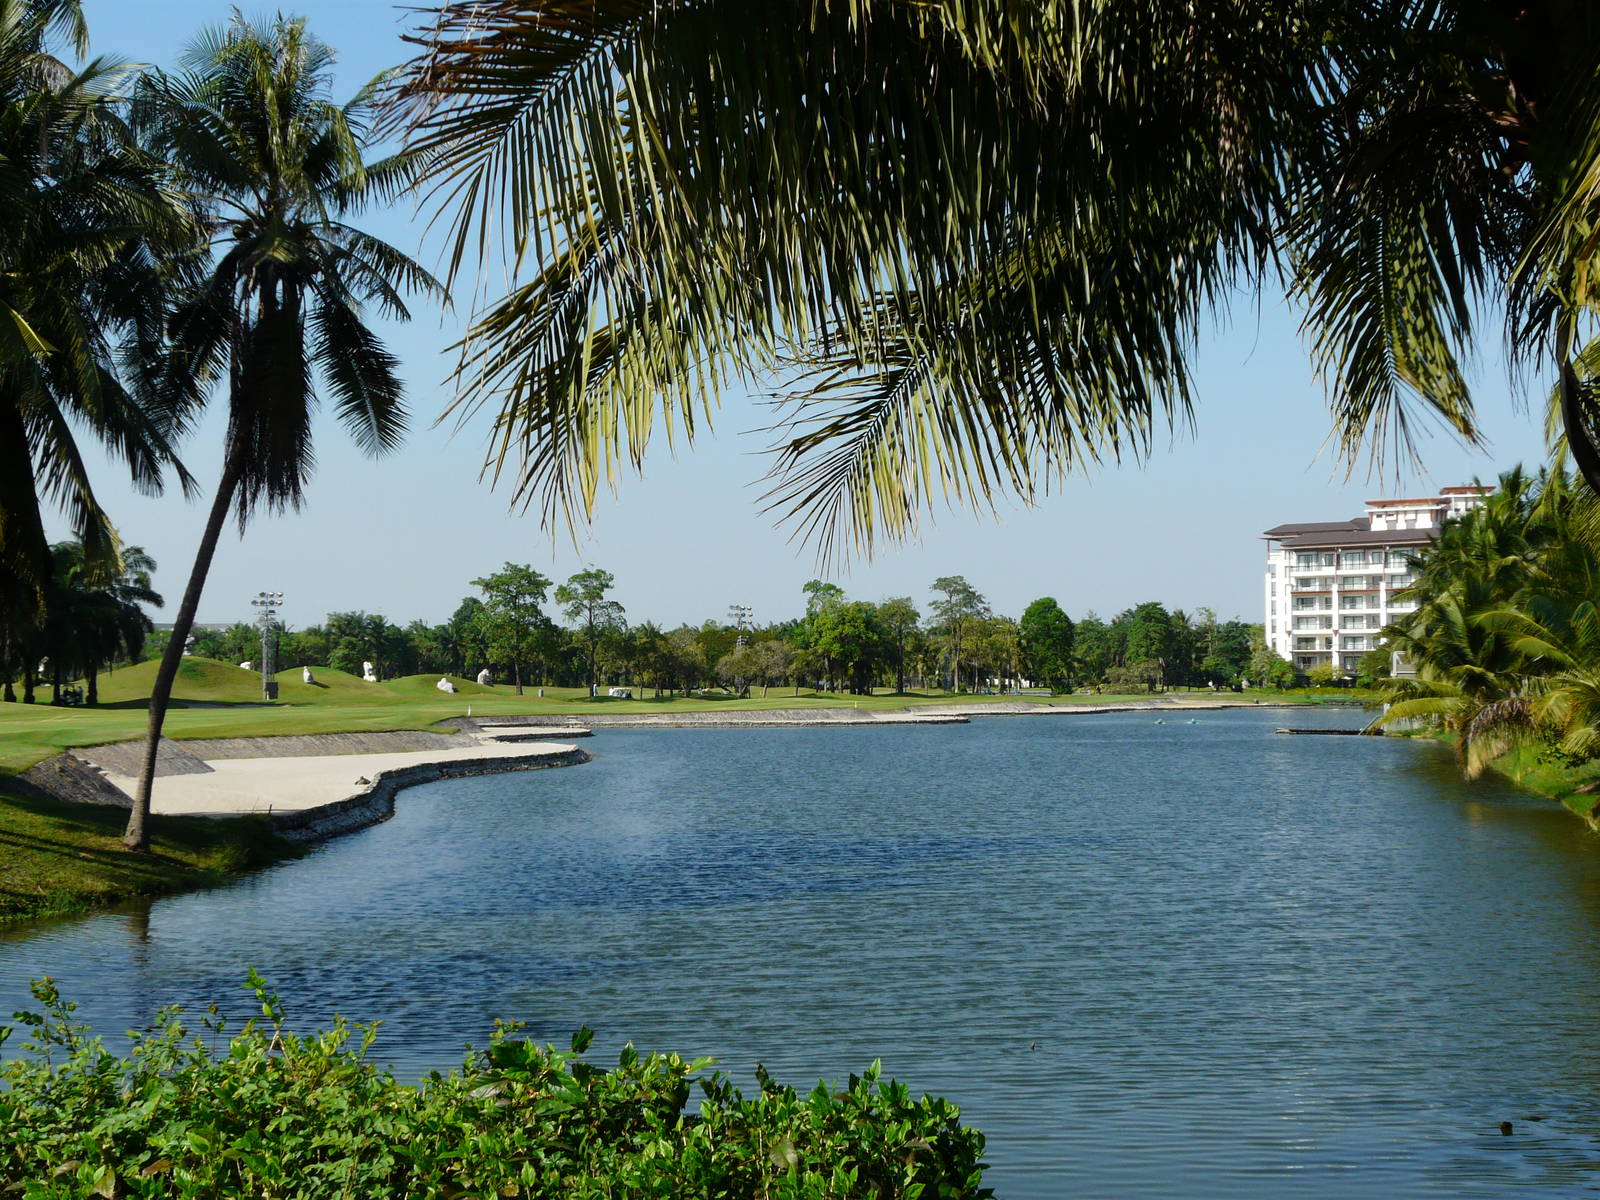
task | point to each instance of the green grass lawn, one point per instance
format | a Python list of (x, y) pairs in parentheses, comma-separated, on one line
[(215, 699), (58, 859), (1528, 768)]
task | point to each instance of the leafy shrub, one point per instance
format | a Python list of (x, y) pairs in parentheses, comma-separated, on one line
[(1322, 675), (271, 1113)]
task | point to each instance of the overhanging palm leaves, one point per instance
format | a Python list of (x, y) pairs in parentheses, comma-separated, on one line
[(973, 243)]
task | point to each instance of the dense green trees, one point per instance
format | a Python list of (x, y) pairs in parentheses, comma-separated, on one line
[(584, 600), (513, 615), (899, 617), (1047, 644), (957, 611), (840, 644)]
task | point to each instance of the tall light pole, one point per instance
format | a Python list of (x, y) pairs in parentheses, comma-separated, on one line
[(740, 614), (266, 605)]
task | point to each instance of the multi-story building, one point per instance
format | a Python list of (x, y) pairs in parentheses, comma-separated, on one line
[(1330, 585)]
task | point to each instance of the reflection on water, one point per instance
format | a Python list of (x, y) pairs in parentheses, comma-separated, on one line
[(1147, 960)]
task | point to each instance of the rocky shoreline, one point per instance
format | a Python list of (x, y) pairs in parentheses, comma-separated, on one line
[(376, 804)]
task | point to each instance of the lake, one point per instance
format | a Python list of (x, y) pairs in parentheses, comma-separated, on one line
[(1146, 959)]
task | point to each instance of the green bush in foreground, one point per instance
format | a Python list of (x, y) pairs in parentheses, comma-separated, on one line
[(269, 1114)]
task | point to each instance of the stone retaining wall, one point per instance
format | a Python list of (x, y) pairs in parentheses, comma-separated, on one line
[(376, 803), (69, 779), (315, 745), (127, 758), (189, 756)]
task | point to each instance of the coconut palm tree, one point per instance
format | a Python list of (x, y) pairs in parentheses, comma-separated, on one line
[(92, 617), (1469, 681), (279, 169), (121, 625), (978, 240), (1506, 635), (87, 223)]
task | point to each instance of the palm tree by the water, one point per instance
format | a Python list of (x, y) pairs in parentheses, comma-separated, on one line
[(85, 224), (1505, 639), (278, 167), (985, 237)]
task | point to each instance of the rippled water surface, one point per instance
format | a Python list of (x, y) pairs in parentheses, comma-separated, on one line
[(1147, 960)]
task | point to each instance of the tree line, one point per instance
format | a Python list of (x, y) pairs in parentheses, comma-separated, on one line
[(528, 630)]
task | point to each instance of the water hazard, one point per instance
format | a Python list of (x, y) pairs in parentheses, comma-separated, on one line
[(1197, 960)]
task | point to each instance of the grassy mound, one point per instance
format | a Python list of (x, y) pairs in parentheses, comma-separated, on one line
[(426, 685), (330, 687), (67, 858), (199, 679)]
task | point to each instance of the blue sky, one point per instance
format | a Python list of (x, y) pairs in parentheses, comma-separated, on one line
[(404, 535)]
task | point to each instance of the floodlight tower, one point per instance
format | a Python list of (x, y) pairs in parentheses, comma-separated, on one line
[(740, 615), (267, 605)]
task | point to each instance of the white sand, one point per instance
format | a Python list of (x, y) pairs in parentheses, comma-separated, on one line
[(245, 785)]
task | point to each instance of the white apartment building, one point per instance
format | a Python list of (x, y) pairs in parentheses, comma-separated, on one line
[(1330, 585)]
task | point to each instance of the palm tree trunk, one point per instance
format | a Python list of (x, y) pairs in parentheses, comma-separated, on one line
[(1580, 443), (137, 836)]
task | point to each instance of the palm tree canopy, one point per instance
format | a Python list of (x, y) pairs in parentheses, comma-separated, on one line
[(278, 169), (976, 241), (93, 617), (88, 220)]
